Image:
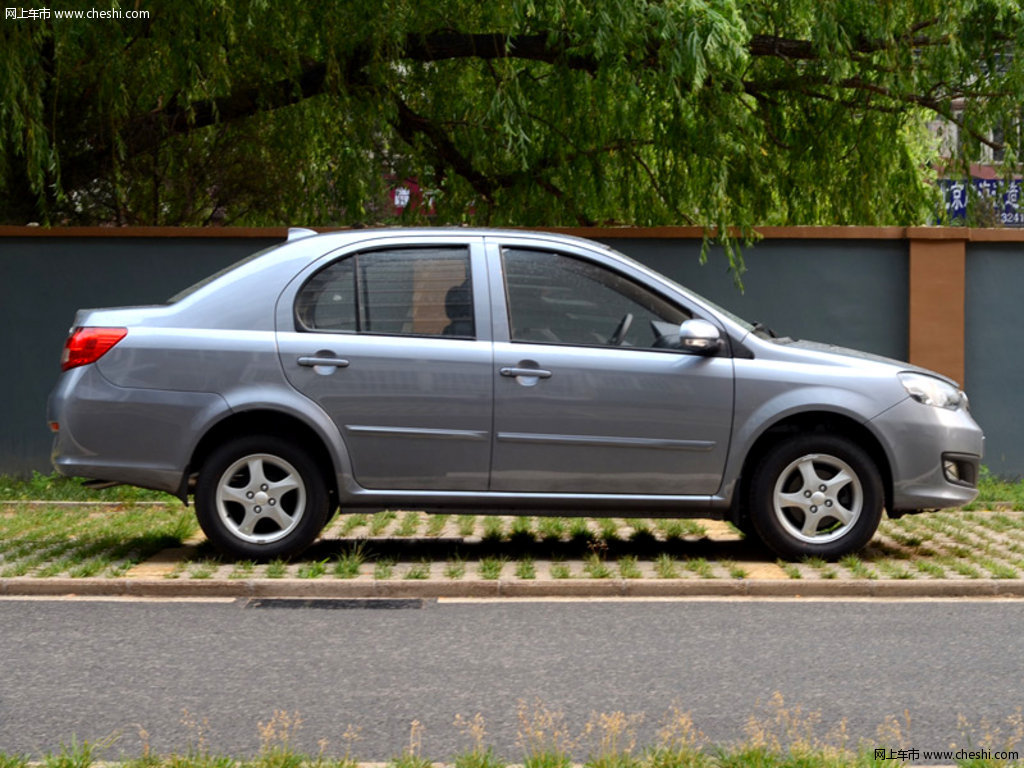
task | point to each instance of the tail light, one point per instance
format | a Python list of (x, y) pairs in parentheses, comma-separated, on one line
[(87, 345)]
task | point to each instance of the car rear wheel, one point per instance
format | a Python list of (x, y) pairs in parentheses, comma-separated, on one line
[(816, 496), (261, 497)]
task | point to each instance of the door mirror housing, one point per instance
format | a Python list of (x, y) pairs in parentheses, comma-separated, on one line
[(699, 337)]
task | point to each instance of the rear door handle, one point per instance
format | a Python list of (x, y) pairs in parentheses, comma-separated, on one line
[(313, 362), (513, 372)]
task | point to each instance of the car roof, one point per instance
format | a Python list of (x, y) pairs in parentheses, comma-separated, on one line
[(343, 236)]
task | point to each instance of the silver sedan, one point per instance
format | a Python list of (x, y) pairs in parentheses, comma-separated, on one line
[(495, 371)]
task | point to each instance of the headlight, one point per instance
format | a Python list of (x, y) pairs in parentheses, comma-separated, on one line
[(932, 391)]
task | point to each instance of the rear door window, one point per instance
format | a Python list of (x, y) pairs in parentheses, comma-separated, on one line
[(407, 292)]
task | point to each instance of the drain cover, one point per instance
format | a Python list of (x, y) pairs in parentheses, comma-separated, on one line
[(337, 603)]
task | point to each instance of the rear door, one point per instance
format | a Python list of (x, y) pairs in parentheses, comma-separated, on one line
[(587, 399), (393, 341)]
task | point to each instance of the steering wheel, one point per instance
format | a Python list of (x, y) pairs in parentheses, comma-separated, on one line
[(620, 330)]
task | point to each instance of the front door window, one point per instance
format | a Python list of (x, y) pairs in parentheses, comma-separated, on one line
[(560, 300)]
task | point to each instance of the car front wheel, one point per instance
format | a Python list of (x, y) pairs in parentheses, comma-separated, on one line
[(816, 496), (261, 497)]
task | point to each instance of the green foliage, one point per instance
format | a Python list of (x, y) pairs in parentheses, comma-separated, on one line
[(709, 112)]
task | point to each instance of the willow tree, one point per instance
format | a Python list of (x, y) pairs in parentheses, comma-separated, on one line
[(528, 112)]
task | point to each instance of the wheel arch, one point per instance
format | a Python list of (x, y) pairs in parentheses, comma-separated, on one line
[(263, 421), (823, 422)]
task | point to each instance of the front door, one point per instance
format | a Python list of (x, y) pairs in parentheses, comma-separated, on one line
[(589, 397)]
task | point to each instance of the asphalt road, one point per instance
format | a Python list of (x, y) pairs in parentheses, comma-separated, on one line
[(86, 670)]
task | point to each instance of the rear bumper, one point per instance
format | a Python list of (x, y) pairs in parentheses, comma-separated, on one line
[(140, 437), (934, 453)]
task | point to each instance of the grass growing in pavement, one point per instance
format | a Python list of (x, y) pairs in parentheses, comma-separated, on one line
[(551, 528), (857, 567), (409, 525), (526, 569), (560, 570), (629, 568), (436, 524), (666, 567), (521, 529), (203, 569), (455, 568), (490, 568), (313, 569), (699, 566), (243, 569), (379, 521), (82, 539), (353, 523), (418, 571), (349, 562), (736, 571), (596, 568), (494, 528)]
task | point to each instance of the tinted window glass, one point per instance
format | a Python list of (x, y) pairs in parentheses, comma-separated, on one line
[(415, 291), (561, 300)]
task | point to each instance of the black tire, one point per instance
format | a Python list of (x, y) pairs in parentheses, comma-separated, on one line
[(744, 525), (816, 496), (260, 497)]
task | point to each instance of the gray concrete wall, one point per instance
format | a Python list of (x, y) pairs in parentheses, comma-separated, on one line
[(852, 292), (992, 351), (43, 281), (847, 292)]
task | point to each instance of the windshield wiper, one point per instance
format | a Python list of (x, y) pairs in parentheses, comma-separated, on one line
[(760, 327)]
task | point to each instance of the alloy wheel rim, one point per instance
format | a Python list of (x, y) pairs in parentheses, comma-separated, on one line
[(817, 498), (261, 498)]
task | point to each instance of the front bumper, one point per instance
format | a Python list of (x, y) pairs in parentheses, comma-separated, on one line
[(934, 454)]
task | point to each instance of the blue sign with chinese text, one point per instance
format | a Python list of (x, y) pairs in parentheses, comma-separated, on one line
[(1005, 197)]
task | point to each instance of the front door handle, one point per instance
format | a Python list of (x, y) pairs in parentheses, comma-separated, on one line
[(315, 362), (513, 372)]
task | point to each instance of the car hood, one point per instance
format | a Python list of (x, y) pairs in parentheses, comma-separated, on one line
[(854, 357)]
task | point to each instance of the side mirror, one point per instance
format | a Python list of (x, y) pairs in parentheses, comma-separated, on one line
[(699, 337)]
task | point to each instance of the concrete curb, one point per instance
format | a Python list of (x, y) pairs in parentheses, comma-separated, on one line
[(570, 588)]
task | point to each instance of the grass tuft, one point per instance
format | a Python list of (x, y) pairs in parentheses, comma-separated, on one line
[(455, 568), (312, 570), (526, 569), (490, 568), (596, 568), (349, 563)]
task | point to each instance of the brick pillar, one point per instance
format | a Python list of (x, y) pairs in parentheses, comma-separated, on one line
[(937, 273)]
